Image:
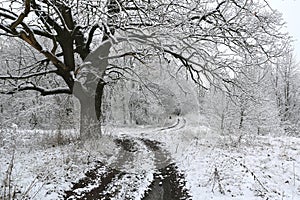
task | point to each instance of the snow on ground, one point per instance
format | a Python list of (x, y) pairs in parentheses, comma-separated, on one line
[(216, 167), (43, 168)]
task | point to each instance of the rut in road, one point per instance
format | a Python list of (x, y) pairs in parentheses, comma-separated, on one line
[(103, 182), (168, 183), (100, 182)]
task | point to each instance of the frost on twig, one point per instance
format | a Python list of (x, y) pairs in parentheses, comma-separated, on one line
[(7, 186), (215, 180)]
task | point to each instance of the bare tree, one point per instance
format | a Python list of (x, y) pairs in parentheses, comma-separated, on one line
[(82, 42), (286, 87)]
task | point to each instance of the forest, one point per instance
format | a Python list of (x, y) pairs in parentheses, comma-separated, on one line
[(147, 99)]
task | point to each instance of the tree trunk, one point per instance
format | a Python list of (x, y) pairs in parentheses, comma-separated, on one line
[(242, 115), (90, 113), (90, 91), (90, 126)]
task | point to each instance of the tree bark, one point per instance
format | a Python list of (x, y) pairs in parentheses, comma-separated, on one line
[(90, 111), (90, 126)]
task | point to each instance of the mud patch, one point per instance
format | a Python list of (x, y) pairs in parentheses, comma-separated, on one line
[(152, 144), (94, 184), (126, 144)]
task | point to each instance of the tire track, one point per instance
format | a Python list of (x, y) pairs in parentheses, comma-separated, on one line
[(121, 180), (171, 126), (168, 183), (179, 124)]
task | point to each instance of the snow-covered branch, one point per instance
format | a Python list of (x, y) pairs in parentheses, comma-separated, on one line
[(41, 90), (27, 75), (22, 15)]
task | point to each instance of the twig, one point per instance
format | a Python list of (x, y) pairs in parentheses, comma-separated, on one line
[(7, 180), (33, 196), (33, 183), (216, 178), (252, 174)]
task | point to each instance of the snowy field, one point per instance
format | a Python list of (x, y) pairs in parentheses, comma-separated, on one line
[(43, 164)]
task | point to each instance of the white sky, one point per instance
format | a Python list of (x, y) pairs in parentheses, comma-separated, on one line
[(291, 14)]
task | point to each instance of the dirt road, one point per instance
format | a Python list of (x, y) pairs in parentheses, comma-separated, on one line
[(143, 170)]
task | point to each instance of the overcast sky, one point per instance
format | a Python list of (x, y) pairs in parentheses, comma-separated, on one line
[(291, 14)]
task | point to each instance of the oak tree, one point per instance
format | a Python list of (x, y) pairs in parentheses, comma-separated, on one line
[(85, 43)]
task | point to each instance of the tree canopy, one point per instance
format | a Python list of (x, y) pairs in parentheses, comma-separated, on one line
[(85, 43)]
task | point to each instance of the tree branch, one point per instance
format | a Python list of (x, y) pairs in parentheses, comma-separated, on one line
[(7, 30), (22, 15), (27, 76), (45, 18), (7, 16), (8, 11), (62, 19), (204, 17), (43, 91), (91, 35)]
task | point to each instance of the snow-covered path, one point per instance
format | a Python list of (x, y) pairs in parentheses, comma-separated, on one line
[(141, 170)]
